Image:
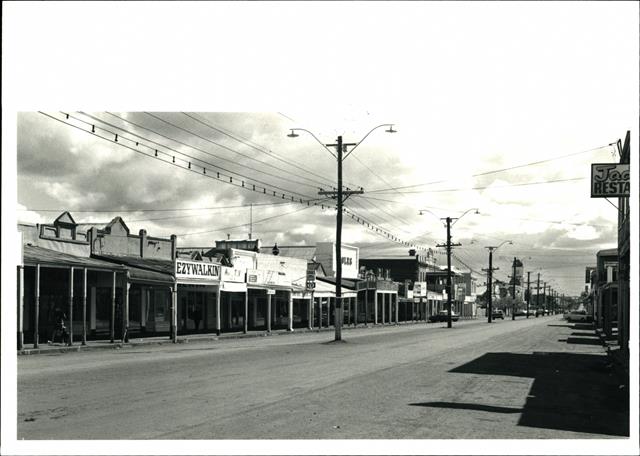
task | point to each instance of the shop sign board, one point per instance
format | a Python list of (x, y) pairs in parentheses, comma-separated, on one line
[(232, 274), (434, 296), (420, 289), (186, 269), (311, 276), (267, 277), (386, 285), (325, 254), (609, 180)]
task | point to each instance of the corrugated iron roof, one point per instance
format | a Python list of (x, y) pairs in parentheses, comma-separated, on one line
[(39, 255), (150, 264)]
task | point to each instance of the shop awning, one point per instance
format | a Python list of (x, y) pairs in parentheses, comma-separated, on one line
[(34, 255), (144, 269), (142, 275), (234, 287), (328, 290), (346, 283), (148, 264)]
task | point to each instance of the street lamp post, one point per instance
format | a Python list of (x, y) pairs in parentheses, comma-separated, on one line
[(448, 246), (340, 195), (490, 279)]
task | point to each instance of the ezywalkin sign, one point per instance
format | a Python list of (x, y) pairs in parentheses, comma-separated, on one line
[(609, 180), (197, 270)]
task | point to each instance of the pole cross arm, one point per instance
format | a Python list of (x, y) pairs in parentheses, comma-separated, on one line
[(344, 192)]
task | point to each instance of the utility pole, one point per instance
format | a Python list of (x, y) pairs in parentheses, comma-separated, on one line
[(448, 245), (250, 220), (528, 291), (513, 277), (544, 296), (339, 194), (490, 281), (538, 295)]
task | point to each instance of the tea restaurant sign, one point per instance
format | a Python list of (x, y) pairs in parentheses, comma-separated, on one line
[(609, 180)]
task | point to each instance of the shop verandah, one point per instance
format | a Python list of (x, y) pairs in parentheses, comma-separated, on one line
[(87, 293)]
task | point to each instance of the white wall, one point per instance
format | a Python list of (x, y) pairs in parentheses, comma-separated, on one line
[(325, 255)]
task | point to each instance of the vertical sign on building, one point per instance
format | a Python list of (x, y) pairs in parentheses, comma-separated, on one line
[(311, 276)]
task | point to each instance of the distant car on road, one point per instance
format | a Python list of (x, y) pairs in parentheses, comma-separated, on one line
[(443, 316), (578, 316), (521, 313), (497, 314)]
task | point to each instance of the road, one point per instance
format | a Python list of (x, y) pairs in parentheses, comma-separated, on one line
[(536, 378)]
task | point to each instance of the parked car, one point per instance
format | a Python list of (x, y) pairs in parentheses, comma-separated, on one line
[(578, 316), (521, 313), (541, 312), (497, 314), (443, 316)]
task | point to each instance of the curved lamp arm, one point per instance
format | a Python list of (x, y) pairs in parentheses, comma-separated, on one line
[(465, 213), (293, 135), (430, 212), (493, 249), (390, 130)]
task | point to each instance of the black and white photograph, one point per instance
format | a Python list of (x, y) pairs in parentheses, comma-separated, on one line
[(320, 228)]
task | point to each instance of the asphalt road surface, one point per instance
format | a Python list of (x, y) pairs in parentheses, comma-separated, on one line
[(536, 378)]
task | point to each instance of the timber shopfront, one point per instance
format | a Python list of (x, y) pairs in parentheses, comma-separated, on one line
[(270, 300), (198, 296)]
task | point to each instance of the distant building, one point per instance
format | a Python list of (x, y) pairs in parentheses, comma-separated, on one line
[(605, 292)]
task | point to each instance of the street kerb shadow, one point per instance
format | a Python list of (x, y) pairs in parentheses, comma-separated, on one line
[(582, 340), (571, 391), (468, 406)]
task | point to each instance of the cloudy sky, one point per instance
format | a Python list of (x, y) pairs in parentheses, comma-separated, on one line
[(499, 107)]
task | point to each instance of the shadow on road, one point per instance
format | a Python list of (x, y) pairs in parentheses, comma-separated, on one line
[(572, 392), (458, 405), (582, 340)]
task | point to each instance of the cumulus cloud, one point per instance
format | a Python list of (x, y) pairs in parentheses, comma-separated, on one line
[(66, 169)]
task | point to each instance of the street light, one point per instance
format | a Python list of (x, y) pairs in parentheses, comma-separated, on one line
[(338, 194), (448, 245), (490, 271)]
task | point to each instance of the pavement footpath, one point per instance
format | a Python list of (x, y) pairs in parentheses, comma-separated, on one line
[(91, 345)]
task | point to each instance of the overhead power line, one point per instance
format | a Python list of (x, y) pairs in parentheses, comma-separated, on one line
[(259, 148), (204, 138), (117, 138), (230, 174), (177, 141), (154, 210), (486, 187), (186, 165), (495, 171), (216, 230)]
